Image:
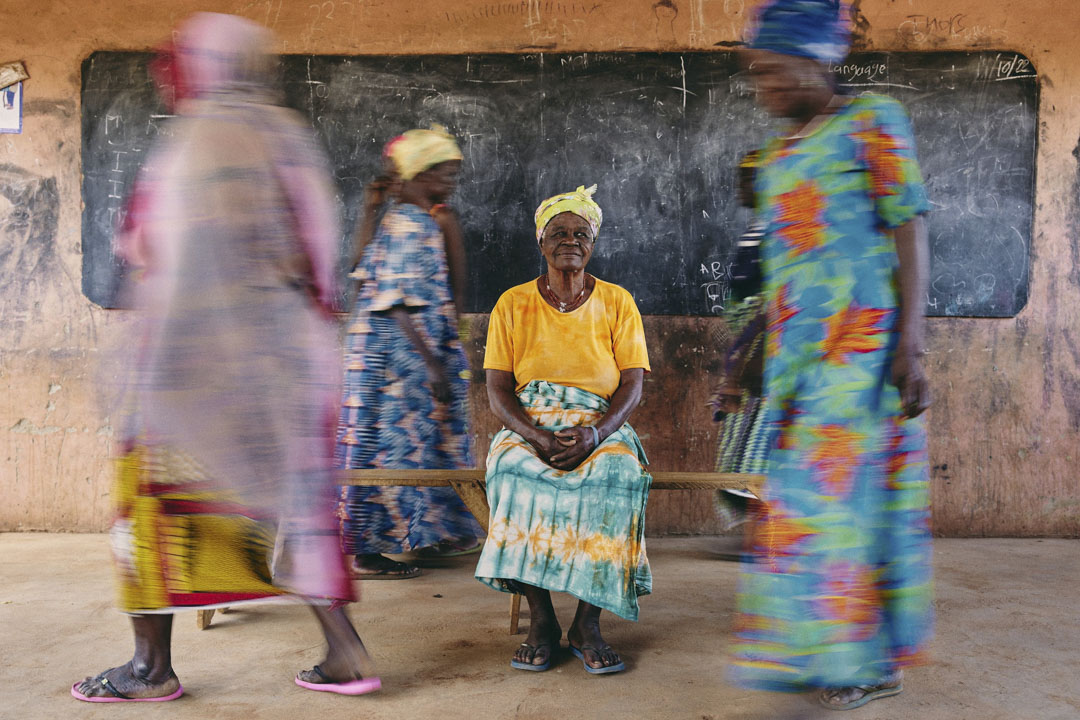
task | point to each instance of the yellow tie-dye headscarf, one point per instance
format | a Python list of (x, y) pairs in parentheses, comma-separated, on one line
[(417, 150), (579, 202)]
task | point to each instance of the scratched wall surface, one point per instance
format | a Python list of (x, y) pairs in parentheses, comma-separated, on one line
[(1007, 418)]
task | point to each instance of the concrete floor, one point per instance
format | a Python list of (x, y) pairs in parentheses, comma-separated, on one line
[(1008, 644)]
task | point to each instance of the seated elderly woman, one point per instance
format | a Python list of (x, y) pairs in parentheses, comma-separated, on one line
[(565, 477)]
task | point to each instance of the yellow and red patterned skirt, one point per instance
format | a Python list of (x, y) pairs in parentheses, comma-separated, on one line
[(179, 541)]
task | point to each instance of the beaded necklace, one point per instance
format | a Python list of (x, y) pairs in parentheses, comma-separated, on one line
[(564, 306)]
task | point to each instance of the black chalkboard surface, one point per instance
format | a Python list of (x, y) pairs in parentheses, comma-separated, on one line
[(659, 133)]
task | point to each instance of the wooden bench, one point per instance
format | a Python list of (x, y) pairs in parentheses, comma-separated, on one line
[(469, 485)]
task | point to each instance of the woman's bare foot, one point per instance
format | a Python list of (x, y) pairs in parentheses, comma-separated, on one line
[(849, 698), (321, 674), (346, 657), (585, 635), (544, 636), (129, 681), (544, 630), (149, 673), (338, 667)]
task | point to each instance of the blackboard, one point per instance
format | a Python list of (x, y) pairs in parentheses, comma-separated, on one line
[(658, 132)]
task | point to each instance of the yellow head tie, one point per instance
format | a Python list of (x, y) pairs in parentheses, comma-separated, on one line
[(417, 150), (579, 202)]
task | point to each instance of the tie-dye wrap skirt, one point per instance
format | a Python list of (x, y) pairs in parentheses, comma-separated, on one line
[(579, 531)]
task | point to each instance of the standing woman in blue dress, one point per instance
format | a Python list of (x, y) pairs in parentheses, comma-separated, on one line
[(406, 375), (838, 597)]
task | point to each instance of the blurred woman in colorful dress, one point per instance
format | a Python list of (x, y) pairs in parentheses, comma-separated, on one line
[(839, 595), (225, 448), (404, 402)]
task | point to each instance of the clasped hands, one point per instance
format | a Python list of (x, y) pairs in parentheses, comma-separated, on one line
[(564, 449)]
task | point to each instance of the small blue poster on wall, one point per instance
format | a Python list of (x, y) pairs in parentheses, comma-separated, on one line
[(11, 108)]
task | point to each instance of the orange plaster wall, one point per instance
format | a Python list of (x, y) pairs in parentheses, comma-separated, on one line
[(1007, 417)]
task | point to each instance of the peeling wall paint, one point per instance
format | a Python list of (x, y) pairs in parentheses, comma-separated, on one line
[(29, 261)]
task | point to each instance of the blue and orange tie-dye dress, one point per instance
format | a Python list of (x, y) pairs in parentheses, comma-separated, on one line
[(839, 593)]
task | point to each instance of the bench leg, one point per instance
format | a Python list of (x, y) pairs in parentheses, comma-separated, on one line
[(203, 618), (474, 495), (515, 613)]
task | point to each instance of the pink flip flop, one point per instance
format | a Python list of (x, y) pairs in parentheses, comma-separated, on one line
[(118, 696), (353, 687)]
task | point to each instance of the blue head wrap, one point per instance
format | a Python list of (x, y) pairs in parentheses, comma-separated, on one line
[(815, 29)]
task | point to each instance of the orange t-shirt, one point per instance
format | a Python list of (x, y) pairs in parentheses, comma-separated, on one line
[(585, 348)]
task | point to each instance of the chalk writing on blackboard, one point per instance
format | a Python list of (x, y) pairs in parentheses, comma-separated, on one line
[(1006, 66)]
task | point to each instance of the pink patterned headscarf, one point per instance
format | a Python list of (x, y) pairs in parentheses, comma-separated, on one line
[(223, 53), (228, 55)]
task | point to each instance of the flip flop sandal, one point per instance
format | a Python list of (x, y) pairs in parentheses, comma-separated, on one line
[(517, 665), (580, 654), (450, 550), (118, 696), (873, 692), (361, 686), (397, 571)]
